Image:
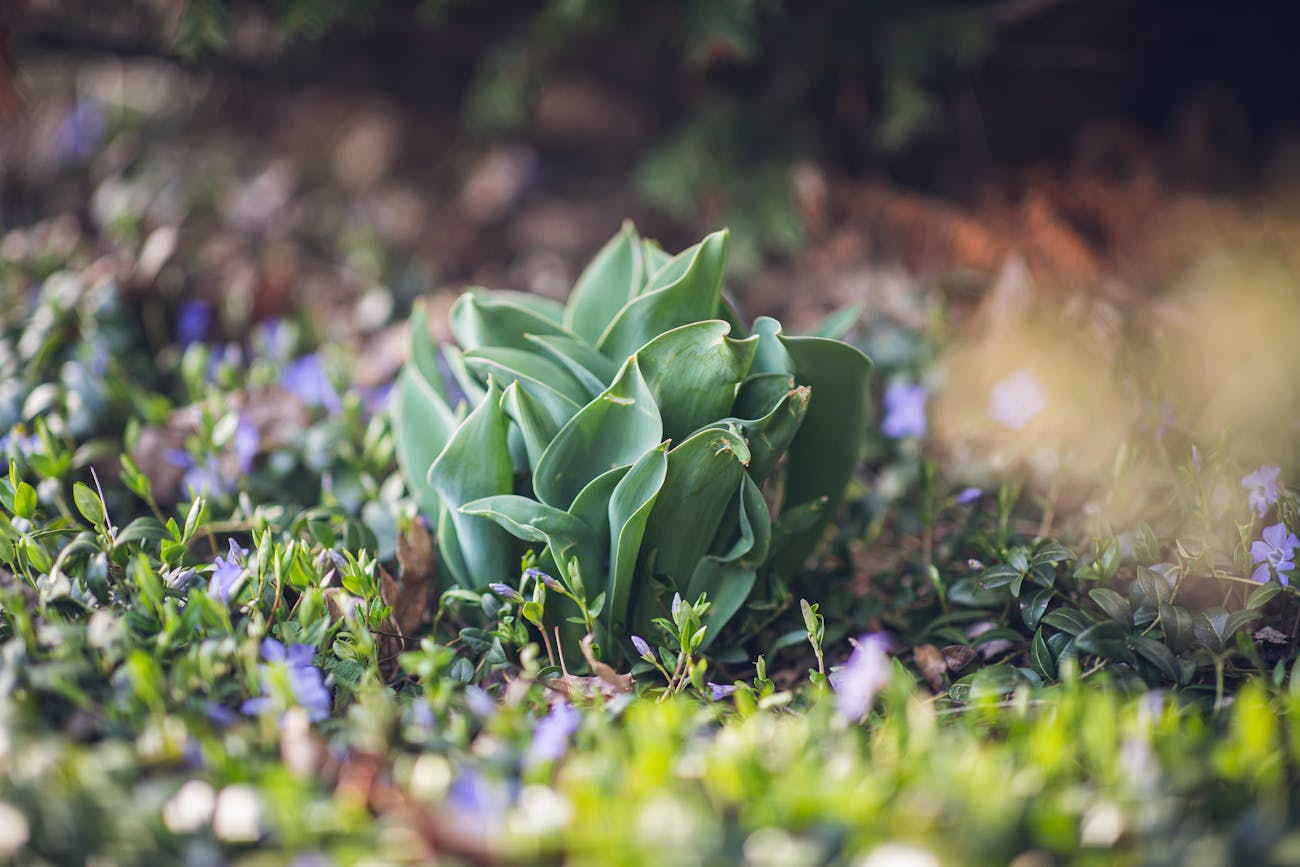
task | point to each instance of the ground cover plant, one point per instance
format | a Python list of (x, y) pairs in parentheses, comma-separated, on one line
[(258, 642)]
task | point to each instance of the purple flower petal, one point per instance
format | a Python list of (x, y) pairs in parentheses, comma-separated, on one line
[(272, 650), (904, 411), (721, 690), (551, 734), (1260, 575), (865, 674), (642, 647), (968, 496)]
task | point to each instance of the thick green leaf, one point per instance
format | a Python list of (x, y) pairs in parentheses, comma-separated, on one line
[(654, 258), (671, 299), (770, 436), (693, 371), (481, 319), (547, 308), (729, 578), (476, 464), (612, 431), (552, 385), (629, 509), (473, 388), (704, 473), (424, 355), (422, 425), (760, 393), (565, 535), (771, 356), (825, 451), (537, 427), (587, 365), (1115, 605), (839, 323), (612, 279)]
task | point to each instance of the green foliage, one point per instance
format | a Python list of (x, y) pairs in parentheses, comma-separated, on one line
[(631, 434)]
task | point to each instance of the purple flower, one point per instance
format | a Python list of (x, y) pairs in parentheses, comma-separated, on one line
[(306, 379), (539, 575), (1015, 400), (551, 734), (479, 702), (18, 444), (643, 648), (476, 801), (245, 444), (192, 323), (865, 674), (227, 572), (677, 605), (305, 680), (904, 411), (1276, 551), (506, 592), (968, 496), (82, 131), (1262, 485), (721, 690)]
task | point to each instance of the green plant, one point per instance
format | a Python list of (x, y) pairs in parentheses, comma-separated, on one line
[(638, 433)]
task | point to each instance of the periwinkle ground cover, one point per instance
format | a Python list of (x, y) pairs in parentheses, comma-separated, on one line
[(259, 663)]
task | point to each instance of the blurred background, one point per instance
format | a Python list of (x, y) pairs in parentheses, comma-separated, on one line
[(1108, 191)]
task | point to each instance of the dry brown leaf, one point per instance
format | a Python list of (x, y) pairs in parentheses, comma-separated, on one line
[(415, 562), (958, 656), (932, 664), (606, 682)]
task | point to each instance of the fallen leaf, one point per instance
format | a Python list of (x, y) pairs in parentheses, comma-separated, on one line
[(932, 664), (958, 656), (1269, 635)]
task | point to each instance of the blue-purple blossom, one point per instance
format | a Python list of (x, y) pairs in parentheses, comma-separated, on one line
[(643, 647), (479, 702), (539, 575), (226, 572), (719, 691), (82, 131), (17, 443), (677, 605), (192, 322), (904, 411), (551, 734), (1016, 400), (306, 682), (245, 444), (306, 378), (506, 592), (477, 800), (867, 672), (1262, 485), (968, 496), (1276, 551)]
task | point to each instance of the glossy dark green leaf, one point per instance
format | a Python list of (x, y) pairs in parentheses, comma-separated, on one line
[(614, 277), (1040, 657), (143, 529), (1068, 620), (969, 592), (1158, 655), (476, 464), (614, 430), (1116, 606), (1178, 625), (1034, 607), (1262, 595), (999, 576), (1106, 639), (693, 372), (1155, 587), (88, 504), (685, 290)]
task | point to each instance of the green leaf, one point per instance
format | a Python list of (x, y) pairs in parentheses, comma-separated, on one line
[(685, 290), (770, 436), (729, 578), (1069, 620), (88, 504), (614, 277), (655, 258), (1032, 609), (613, 430), (583, 361), (1178, 625), (999, 576), (629, 509), (479, 319), (1052, 554), (1155, 587), (1106, 640), (423, 352), (840, 322), (24, 500), (825, 451), (693, 372), (476, 464), (422, 426), (704, 473), (143, 529), (536, 425), (1158, 655), (1116, 606), (553, 386), (564, 534), (1263, 594), (1040, 657)]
